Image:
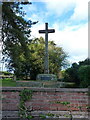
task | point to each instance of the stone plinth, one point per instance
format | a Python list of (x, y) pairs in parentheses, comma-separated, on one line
[(46, 77)]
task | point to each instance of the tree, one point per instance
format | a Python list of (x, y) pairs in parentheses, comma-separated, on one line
[(57, 57), (85, 62), (84, 75), (78, 73), (71, 74), (25, 56), (16, 36)]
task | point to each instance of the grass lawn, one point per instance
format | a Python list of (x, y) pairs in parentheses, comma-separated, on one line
[(7, 83)]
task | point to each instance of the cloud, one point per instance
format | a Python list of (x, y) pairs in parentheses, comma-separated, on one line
[(36, 28), (80, 11), (76, 59), (73, 39), (59, 7)]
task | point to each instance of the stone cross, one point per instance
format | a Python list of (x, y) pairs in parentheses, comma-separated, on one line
[(46, 31)]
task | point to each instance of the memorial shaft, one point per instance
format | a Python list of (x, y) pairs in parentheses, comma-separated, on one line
[(46, 62)]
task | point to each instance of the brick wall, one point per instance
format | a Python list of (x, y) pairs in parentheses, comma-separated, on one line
[(45, 100)]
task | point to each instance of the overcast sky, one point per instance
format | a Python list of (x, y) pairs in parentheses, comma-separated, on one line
[(69, 18)]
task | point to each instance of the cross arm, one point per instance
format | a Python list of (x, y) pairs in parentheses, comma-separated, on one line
[(49, 31)]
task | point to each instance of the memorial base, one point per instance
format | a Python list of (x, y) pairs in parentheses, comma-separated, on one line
[(46, 77)]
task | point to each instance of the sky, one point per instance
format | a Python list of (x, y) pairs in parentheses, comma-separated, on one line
[(69, 18)]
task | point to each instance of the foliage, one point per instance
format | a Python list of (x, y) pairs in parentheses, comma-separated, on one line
[(50, 114), (57, 57), (63, 103), (70, 85), (84, 75), (42, 116), (71, 74), (16, 37), (70, 106), (78, 73), (85, 62), (23, 110), (25, 56), (6, 73), (25, 95)]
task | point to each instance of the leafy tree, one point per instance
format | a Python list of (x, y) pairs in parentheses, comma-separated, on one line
[(71, 74), (84, 75), (16, 37), (37, 56), (57, 57), (25, 56), (85, 62), (78, 73)]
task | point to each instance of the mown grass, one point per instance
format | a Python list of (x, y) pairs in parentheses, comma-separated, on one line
[(7, 82)]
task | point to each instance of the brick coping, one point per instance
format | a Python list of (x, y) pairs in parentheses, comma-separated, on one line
[(45, 89)]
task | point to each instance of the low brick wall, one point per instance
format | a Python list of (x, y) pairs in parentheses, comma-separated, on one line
[(46, 100)]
